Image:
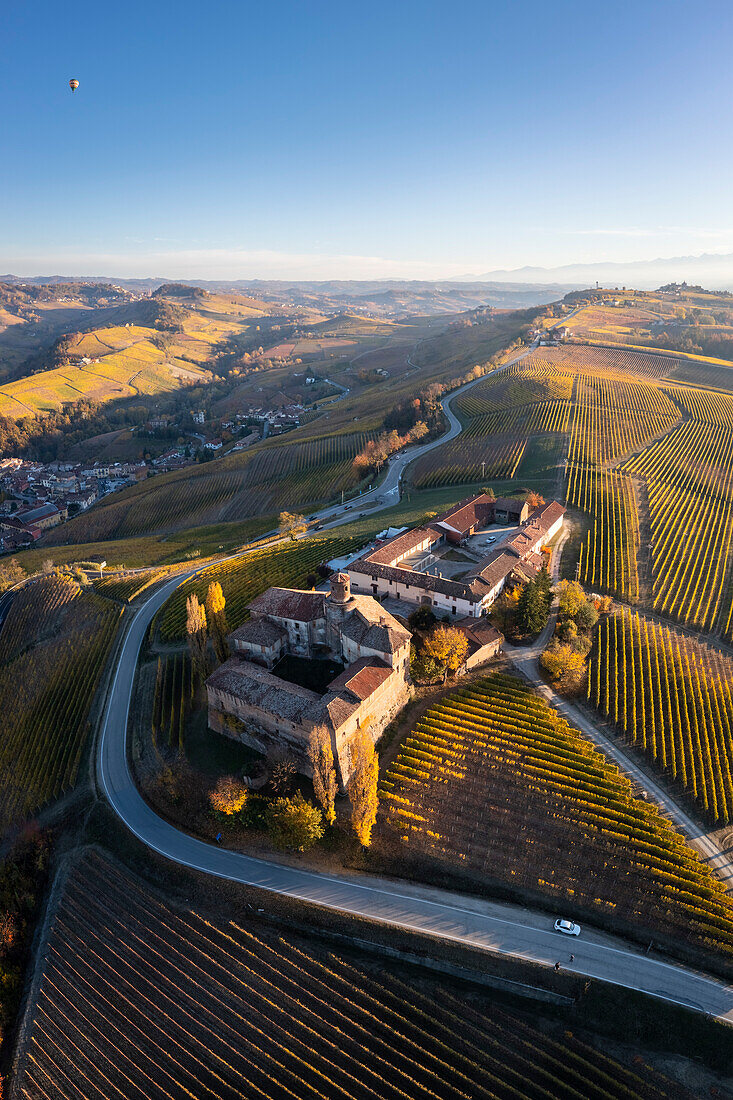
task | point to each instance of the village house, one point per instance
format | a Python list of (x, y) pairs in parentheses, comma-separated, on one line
[(250, 702), (407, 567), (44, 516)]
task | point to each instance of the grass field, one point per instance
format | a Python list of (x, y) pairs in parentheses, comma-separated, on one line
[(143, 1001)]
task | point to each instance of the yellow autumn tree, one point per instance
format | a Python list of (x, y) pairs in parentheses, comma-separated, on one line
[(197, 636), (362, 786), (447, 646), (217, 620), (320, 755), (228, 796), (290, 523), (563, 664)]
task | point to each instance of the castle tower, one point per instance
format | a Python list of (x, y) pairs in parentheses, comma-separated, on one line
[(338, 605), (341, 588)]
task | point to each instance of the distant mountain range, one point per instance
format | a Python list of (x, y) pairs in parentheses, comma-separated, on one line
[(711, 270), (505, 289), (379, 297)]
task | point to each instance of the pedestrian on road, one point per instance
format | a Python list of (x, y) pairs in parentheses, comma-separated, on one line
[(572, 958)]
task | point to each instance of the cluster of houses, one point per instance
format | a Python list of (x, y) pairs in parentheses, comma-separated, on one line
[(38, 496)]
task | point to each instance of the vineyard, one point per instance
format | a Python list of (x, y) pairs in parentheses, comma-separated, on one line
[(546, 416), (689, 476), (468, 459), (145, 1002), (608, 557), (494, 781), (614, 415), (598, 359), (241, 579), (174, 692), (702, 372), (521, 383), (501, 414), (53, 647), (126, 588), (282, 476), (672, 697), (704, 406)]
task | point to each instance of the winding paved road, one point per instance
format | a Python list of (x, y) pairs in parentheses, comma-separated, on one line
[(504, 929)]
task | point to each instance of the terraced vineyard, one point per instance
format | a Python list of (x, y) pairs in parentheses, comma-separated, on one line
[(53, 648), (494, 781), (672, 698), (144, 1002)]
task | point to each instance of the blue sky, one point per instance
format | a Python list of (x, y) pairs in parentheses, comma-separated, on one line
[(401, 139)]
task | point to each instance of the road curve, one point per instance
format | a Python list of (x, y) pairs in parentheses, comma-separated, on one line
[(503, 929), (388, 491)]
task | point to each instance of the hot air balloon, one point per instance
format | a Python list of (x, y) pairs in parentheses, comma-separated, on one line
[(73, 84)]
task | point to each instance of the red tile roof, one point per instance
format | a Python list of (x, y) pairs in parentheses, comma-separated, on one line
[(289, 603), (474, 512), (362, 678), (480, 631), (403, 545)]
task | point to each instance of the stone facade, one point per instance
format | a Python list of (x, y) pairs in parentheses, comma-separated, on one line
[(249, 702)]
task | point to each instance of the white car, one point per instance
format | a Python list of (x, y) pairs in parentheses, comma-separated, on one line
[(567, 927)]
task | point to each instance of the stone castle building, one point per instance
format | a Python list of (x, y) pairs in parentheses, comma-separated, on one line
[(250, 702)]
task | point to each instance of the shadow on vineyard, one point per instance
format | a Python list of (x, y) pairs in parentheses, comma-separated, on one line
[(141, 998), (53, 647), (494, 784)]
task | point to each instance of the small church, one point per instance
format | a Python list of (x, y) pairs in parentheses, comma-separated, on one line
[(250, 702)]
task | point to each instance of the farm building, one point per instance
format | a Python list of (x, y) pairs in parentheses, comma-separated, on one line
[(411, 566), (250, 702), (484, 641)]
